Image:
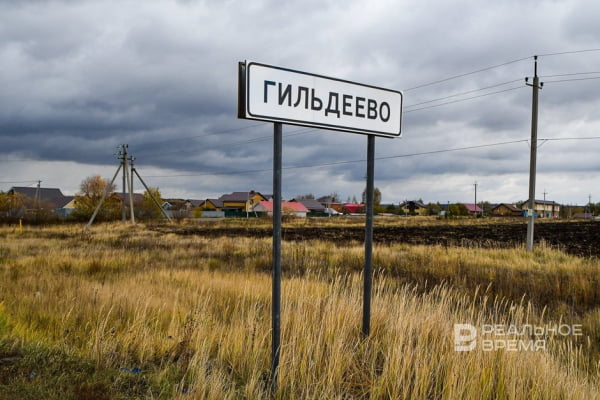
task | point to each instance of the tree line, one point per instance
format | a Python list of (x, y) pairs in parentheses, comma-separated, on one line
[(15, 206)]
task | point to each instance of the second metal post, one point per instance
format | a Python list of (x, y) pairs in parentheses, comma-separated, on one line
[(368, 270)]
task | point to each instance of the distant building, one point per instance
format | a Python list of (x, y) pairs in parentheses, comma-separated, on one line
[(583, 215), (191, 204), (241, 201), (413, 207), (287, 207), (352, 208), (473, 208), (48, 199), (311, 204), (544, 208), (507, 210), (212, 205), (332, 203)]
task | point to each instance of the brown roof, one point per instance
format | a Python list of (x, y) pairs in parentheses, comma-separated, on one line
[(137, 197), (238, 197), (311, 204), (511, 207), (216, 202)]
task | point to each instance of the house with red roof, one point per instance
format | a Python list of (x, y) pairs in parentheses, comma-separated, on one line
[(352, 208), (287, 208), (473, 209)]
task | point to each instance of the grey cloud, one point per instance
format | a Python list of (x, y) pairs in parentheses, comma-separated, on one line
[(79, 78)]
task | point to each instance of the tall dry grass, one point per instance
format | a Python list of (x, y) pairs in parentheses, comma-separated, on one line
[(193, 315)]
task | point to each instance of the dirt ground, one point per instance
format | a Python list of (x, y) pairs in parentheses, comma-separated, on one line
[(579, 238)]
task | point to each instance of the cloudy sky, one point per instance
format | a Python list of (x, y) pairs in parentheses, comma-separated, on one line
[(79, 78)]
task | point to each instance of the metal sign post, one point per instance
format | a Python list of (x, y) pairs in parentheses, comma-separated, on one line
[(276, 295), (281, 95), (368, 271)]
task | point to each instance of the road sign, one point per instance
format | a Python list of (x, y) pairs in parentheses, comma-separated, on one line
[(276, 94), (280, 95)]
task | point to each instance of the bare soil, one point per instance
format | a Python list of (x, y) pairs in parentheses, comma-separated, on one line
[(580, 238)]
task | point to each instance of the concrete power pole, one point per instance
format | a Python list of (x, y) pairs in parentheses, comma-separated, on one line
[(545, 193), (162, 210), (129, 172), (123, 155), (36, 199), (475, 184), (533, 155)]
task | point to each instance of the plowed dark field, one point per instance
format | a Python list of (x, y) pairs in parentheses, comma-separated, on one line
[(578, 238)]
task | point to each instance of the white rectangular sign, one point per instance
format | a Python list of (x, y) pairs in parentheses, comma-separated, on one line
[(277, 94)]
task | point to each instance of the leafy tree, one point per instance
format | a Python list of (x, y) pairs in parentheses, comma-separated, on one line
[(486, 206), (12, 205), (391, 209), (458, 210), (433, 208), (148, 208), (376, 196), (91, 191)]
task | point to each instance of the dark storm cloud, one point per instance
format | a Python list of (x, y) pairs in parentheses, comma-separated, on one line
[(80, 78)]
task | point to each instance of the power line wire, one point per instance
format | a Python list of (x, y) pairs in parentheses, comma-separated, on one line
[(333, 163), (466, 74), (572, 80), (465, 99), (299, 132), (497, 66), (3, 182), (571, 138), (464, 93), (571, 74), (209, 134), (568, 52)]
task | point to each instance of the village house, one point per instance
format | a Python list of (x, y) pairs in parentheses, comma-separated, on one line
[(506, 210), (353, 208), (473, 209), (331, 204), (287, 207), (543, 208), (212, 205), (48, 199), (412, 207), (241, 201), (312, 205)]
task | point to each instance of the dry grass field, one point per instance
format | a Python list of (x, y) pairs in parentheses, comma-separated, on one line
[(127, 312)]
